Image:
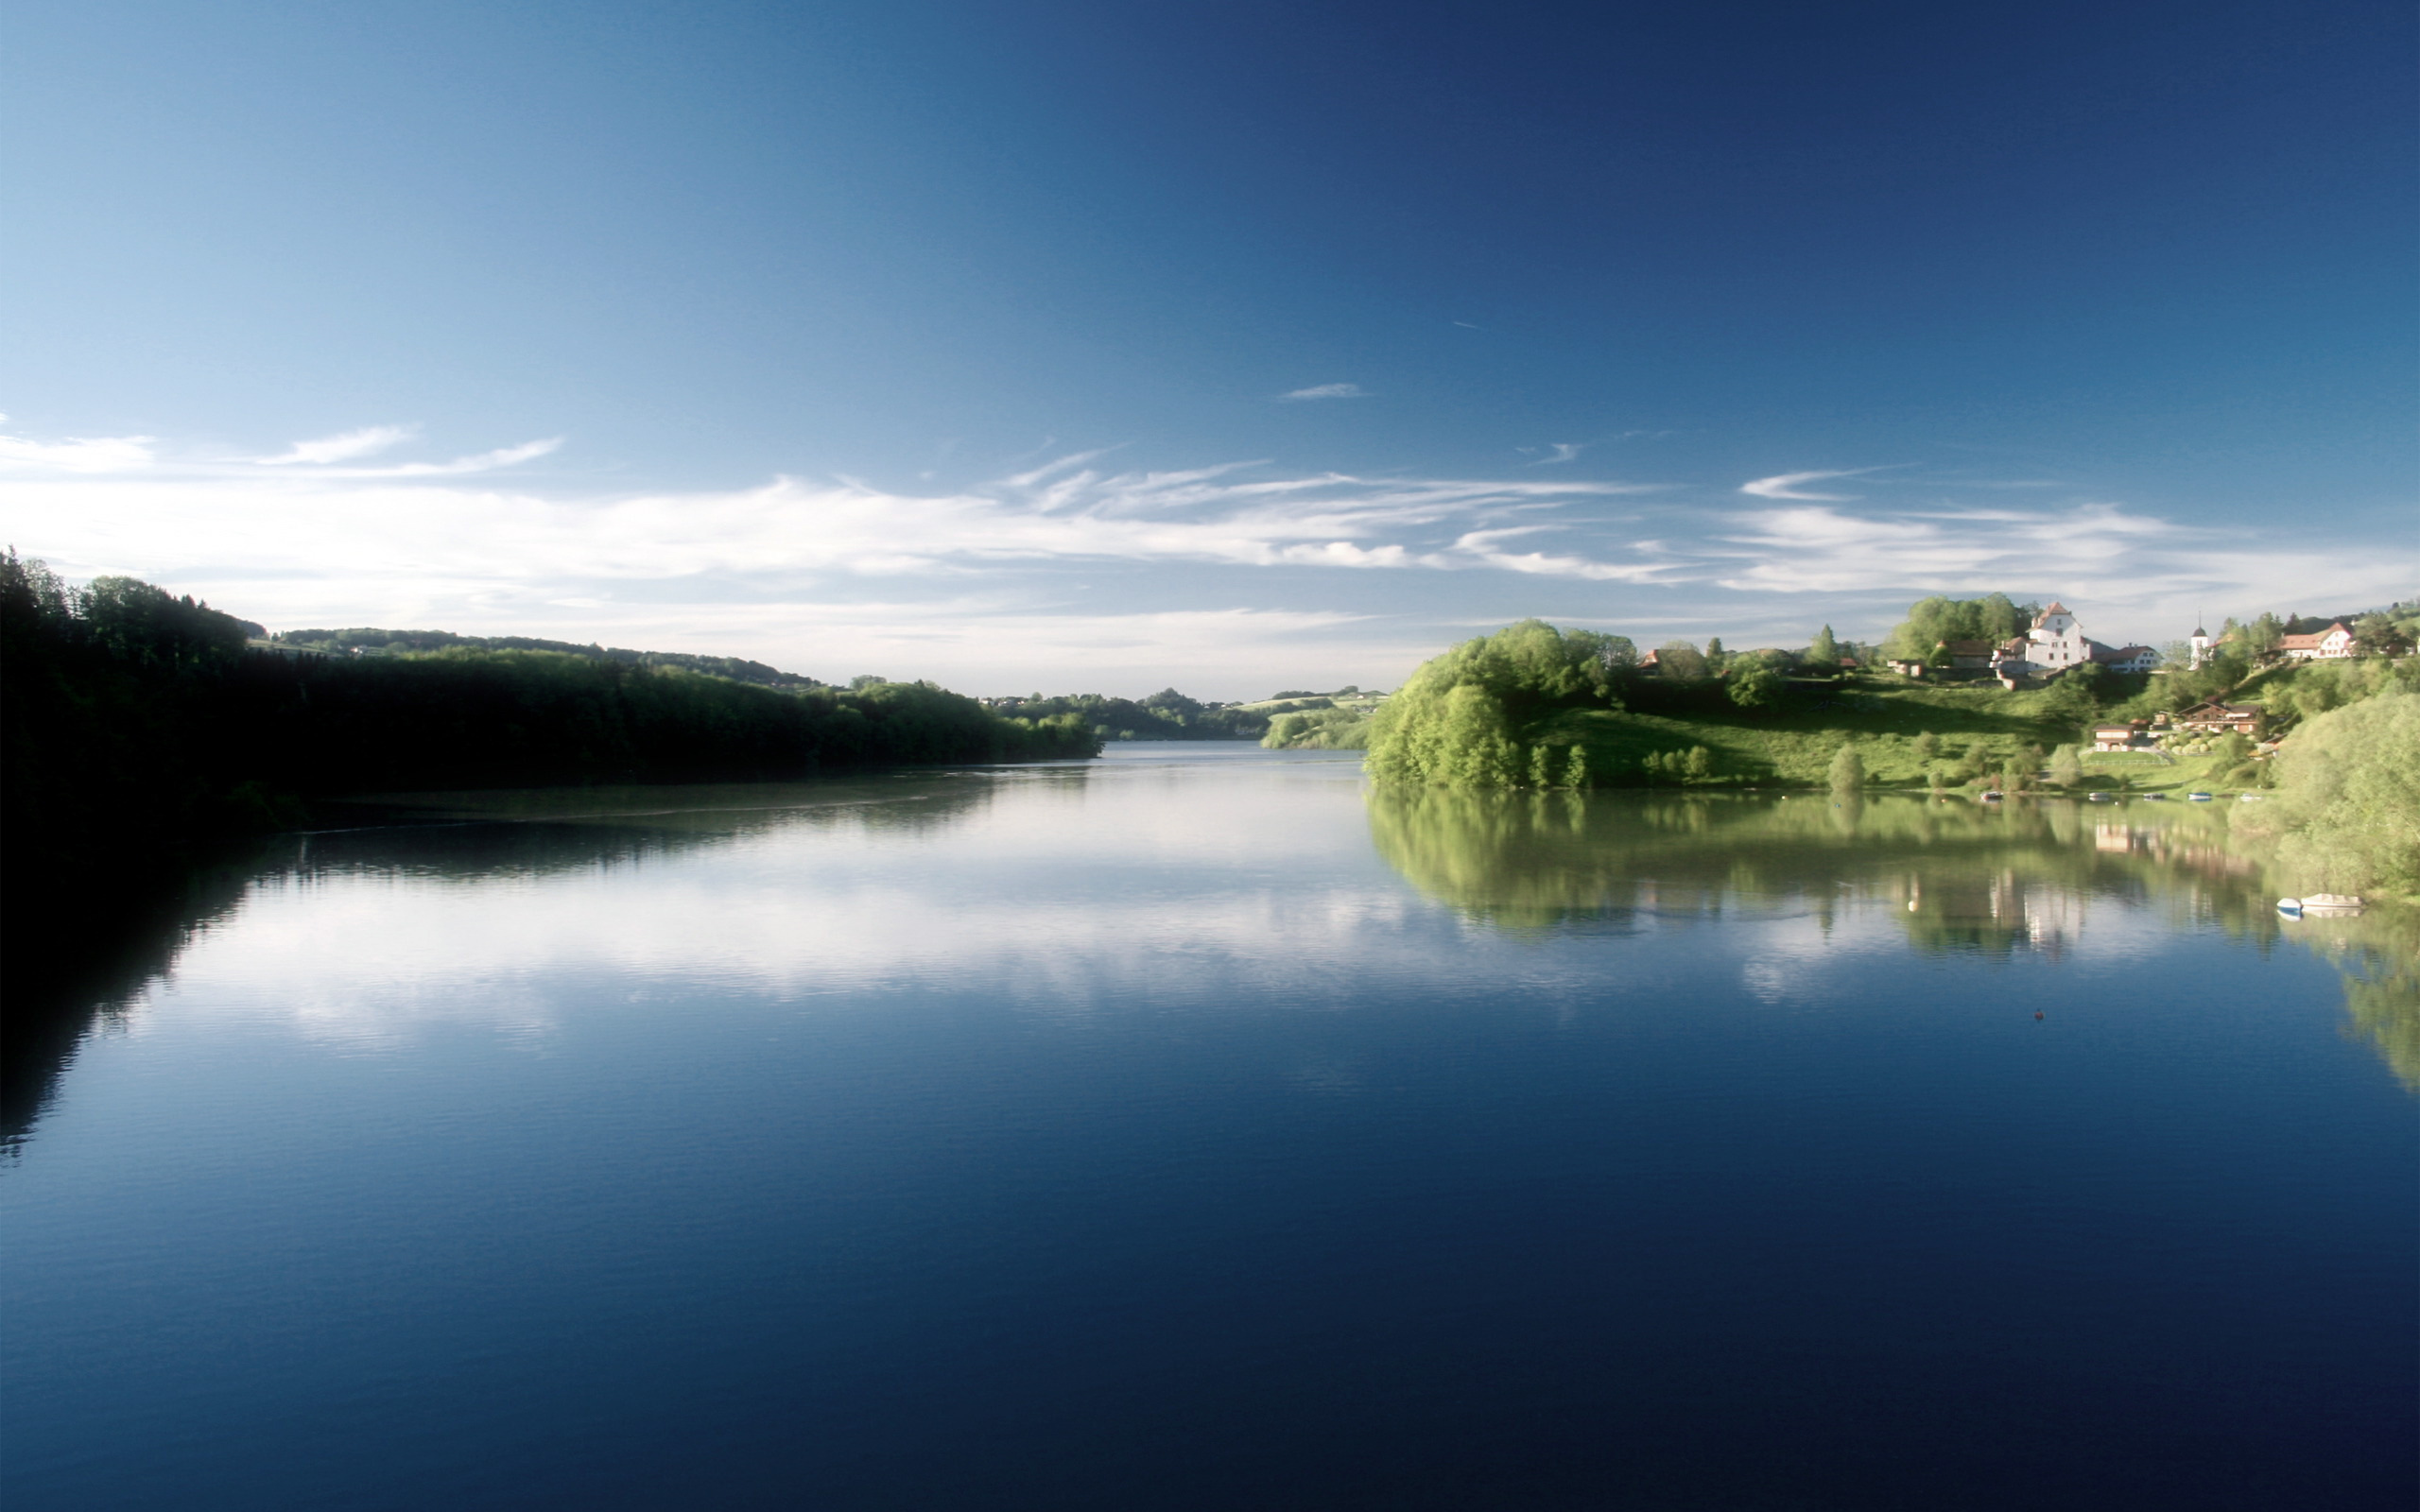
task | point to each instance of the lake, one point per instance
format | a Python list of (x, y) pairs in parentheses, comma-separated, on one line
[(1191, 1128)]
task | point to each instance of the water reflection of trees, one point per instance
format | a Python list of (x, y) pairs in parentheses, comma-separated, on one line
[(2379, 953), (65, 987), (535, 831), (1958, 876), (90, 965)]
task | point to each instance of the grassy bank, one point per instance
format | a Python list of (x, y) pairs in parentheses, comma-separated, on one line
[(1793, 742), (1535, 707)]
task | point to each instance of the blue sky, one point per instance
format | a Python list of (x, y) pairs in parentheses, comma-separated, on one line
[(1086, 345)]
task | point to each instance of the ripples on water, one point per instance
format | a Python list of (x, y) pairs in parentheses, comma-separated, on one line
[(1190, 1128)]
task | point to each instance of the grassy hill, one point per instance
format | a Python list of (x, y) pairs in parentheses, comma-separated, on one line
[(1795, 741), (1319, 721), (1535, 707)]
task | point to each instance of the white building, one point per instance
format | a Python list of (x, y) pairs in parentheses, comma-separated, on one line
[(2333, 644), (2128, 658), (2056, 643)]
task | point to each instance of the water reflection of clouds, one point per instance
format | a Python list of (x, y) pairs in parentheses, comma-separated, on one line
[(360, 957), (1057, 899), (1066, 894)]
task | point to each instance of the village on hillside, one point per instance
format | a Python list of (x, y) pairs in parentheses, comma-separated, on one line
[(2054, 645)]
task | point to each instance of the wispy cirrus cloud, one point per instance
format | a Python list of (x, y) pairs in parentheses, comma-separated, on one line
[(104, 454), (1939, 550), (1556, 452), (1068, 510), (341, 448), (1792, 486), (1327, 391), (502, 457), (2133, 576), (995, 575)]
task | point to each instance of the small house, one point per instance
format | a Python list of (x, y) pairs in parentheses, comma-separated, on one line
[(2221, 718), (2332, 642), (2125, 658)]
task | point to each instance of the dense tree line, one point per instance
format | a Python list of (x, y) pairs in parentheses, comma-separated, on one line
[(1993, 617), (134, 722), (363, 641), (1166, 715)]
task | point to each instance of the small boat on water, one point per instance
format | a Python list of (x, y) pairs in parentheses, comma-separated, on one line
[(2250, 798), (2197, 798), (2154, 798), (2101, 798), (1990, 798), (2319, 904)]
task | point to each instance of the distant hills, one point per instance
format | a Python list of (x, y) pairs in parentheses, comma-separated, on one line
[(365, 641)]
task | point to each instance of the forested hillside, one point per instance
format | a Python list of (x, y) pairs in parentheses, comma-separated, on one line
[(135, 724), (1166, 715), (370, 641)]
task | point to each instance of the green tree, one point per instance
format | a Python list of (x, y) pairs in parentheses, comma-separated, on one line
[(1453, 720), (2348, 805), (1575, 767), (1848, 770), (1929, 621), (2073, 698), (148, 626), (1699, 765), (1680, 662), (1928, 746), (2378, 634), (1825, 652), (1616, 652), (1480, 748), (2066, 766), (1758, 687)]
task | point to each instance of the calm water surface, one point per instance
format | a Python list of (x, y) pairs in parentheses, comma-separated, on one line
[(1189, 1129)]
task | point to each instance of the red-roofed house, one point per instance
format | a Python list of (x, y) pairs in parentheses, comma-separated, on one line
[(2331, 644), (2125, 658), (2242, 718)]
